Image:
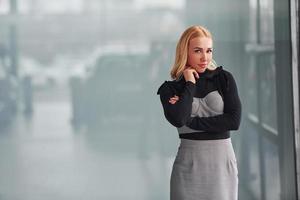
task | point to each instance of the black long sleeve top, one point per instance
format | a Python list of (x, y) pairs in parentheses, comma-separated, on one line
[(208, 109)]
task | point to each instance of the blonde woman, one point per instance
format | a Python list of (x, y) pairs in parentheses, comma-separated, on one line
[(202, 102)]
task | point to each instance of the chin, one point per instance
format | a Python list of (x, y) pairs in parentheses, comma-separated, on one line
[(201, 70)]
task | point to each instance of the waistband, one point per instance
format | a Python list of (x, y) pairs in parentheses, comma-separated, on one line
[(205, 135), (205, 143)]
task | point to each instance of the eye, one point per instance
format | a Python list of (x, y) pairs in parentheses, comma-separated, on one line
[(209, 51), (197, 51)]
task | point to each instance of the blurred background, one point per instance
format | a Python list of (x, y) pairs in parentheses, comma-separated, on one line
[(79, 114)]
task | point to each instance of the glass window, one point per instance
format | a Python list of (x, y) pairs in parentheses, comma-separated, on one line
[(268, 91), (81, 120), (272, 180)]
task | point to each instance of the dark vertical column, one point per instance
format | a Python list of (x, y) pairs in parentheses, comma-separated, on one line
[(261, 150), (283, 61), (295, 23)]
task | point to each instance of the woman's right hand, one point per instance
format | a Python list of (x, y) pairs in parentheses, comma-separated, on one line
[(173, 99), (190, 74)]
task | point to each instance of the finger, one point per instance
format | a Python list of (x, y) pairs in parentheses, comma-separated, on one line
[(174, 99), (196, 74), (172, 102), (189, 69)]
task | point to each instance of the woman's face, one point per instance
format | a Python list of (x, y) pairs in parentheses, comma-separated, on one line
[(199, 53)]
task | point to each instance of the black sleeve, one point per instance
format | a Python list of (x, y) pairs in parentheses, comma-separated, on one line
[(231, 117), (177, 114)]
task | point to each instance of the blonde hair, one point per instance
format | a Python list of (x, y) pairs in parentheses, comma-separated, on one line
[(182, 49)]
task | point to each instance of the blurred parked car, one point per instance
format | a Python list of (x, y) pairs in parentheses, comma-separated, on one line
[(112, 89)]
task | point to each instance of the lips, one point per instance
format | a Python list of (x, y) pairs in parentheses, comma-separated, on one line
[(202, 64)]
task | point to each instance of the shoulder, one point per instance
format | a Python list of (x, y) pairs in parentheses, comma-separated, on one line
[(173, 85), (225, 74), (227, 80), (220, 70)]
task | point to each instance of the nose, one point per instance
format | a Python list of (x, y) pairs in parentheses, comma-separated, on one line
[(204, 57)]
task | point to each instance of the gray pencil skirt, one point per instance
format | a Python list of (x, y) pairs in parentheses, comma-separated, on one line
[(204, 170)]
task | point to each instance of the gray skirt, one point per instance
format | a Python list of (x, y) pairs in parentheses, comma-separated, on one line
[(204, 170)]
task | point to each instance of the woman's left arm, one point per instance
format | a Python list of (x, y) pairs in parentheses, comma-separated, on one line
[(231, 117)]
